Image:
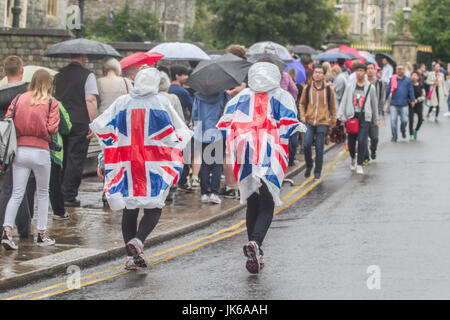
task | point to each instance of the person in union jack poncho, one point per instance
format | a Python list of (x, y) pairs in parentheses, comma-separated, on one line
[(257, 124), (143, 138)]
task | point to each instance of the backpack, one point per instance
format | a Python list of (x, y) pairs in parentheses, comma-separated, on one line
[(8, 140), (308, 87)]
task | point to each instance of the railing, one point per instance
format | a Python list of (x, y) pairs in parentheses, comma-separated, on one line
[(386, 48)]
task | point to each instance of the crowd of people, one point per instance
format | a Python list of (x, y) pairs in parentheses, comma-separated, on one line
[(55, 119)]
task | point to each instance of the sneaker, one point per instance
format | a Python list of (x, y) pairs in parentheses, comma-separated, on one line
[(447, 114), (251, 251), (129, 264), (393, 140), (404, 135), (411, 137), (75, 203), (7, 241), (228, 193), (373, 155), (436, 120), (205, 198), (415, 135), (195, 182), (65, 216), (316, 176), (308, 172), (136, 250), (214, 198), (359, 170), (353, 164), (44, 240), (186, 188), (366, 162)]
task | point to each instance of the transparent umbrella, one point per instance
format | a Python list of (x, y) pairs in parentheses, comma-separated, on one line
[(272, 48), (182, 51)]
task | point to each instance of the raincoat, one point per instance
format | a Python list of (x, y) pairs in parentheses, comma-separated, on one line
[(143, 137)]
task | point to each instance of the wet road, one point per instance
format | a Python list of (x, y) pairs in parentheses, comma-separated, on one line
[(395, 219)]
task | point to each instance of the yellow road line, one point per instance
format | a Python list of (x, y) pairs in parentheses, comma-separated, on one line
[(235, 226)]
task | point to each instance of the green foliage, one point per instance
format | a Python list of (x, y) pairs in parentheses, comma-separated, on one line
[(201, 30), (283, 21), (430, 25), (344, 21), (137, 26)]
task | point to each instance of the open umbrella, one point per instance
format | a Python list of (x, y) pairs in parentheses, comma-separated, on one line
[(28, 72), (299, 68), (221, 74), (274, 58), (182, 51), (93, 49), (272, 48), (367, 55), (303, 50), (379, 58), (332, 56), (140, 58)]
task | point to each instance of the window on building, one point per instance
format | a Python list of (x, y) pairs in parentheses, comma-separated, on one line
[(9, 15), (52, 7), (391, 8), (163, 10), (154, 6), (391, 29)]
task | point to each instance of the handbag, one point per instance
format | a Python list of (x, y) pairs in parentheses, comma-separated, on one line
[(8, 140), (53, 144), (352, 125)]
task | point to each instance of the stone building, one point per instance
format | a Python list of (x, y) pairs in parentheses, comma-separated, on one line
[(372, 21), (174, 15)]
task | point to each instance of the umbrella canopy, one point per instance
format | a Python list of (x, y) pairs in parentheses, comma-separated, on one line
[(304, 49), (140, 58), (299, 68), (379, 58), (180, 51), (274, 58), (28, 72), (272, 48), (93, 49), (332, 56), (226, 72), (367, 56)]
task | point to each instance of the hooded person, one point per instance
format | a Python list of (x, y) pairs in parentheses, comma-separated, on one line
[(142, 136), (257, 125)]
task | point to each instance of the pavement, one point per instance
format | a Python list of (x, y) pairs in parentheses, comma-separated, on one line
[(93, 234)]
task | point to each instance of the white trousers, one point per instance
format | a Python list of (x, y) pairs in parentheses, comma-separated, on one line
[(30, 159)]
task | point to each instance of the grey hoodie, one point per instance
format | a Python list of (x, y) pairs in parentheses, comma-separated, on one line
[(346, 110)]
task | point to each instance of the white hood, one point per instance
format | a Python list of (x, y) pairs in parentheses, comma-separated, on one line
[(263, 77), (146, 82)]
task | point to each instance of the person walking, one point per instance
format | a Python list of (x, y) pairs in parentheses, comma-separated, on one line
[(36, 118), (339, 83), (359, 102), (76, 88), (419, 94), (401, 89), (260, 120), (318, 111), (374, 127), (206, 113), (13, 71), (134, 178), (439, 91)]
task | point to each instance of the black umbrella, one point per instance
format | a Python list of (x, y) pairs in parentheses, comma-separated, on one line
[(303, 50), (379, 58), (266, 57), (226, 72), (93, 49)]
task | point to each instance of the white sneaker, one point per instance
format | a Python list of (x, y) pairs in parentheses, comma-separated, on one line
[(447, 114), (7, 241), (353, 165), (205, 198), (44, 240), (359, 170), (214, 198), (195, 182)]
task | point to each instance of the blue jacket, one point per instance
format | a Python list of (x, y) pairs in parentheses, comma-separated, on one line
[(404, 91), (208, 110), (184, 96)]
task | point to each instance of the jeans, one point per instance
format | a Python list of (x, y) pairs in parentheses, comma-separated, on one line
[(373, 135), (397, 111), (362, 138), (293, 145), (30, 159), (210, 173), (56, 196), (260, 208), (320, 133), (418, 109)]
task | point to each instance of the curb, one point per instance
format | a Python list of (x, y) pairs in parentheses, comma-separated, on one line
[(114, 253)]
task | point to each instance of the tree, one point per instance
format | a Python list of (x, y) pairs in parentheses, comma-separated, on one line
[(430, 25), (138, 26), (283, 21)]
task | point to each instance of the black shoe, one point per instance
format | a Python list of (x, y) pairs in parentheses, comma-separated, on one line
[(373, 155), (230, 194), (316, 176), (186, 188), (105, 201), (169, 198), (74, 203), (308, 172), (404, 135)]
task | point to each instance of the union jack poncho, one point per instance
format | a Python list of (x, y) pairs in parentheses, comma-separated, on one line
[(257, 125), (143, 138)]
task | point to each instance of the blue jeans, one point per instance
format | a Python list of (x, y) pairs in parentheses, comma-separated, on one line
[(397, 111), (210, 173), (362, 137), (320, 133)]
